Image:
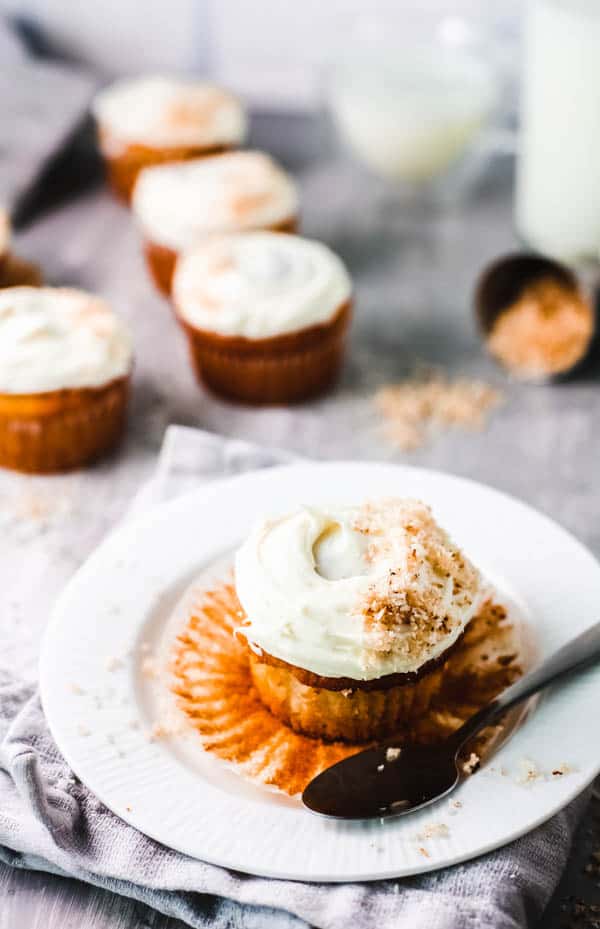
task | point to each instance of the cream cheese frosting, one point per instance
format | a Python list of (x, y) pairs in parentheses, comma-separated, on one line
[(54, 338), (357, 591), (5, 232), (177, 204), (167, 112), (259, 284)]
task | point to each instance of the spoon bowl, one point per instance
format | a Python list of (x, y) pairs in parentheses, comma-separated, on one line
[(384, 781)]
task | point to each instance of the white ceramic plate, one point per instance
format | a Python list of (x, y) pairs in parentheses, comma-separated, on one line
[(99, 705)]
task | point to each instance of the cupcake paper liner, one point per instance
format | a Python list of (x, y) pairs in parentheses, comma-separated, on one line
[(211, 679), (63, 429), (283, 369)]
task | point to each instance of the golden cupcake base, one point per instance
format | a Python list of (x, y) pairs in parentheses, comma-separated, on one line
[(18, 272), (161, 260), (212, 680), (63, 429), (350, 715), (283, 369), (123, 167)]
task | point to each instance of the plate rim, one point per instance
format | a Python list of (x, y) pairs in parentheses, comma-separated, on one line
[(161, 511)]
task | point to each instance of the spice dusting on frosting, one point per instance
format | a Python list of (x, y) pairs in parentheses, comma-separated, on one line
[(427, 591), (546, 331)]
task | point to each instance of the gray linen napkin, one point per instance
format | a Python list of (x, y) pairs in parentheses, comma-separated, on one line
[(49, 821)]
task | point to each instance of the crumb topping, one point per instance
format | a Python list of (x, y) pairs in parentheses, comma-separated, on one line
[(427, 592), (416, 408)]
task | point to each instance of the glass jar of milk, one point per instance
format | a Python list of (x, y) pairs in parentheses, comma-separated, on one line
[(410, 98), (558, 173)]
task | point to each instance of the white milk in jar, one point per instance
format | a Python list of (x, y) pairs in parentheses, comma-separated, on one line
[(558, 175)]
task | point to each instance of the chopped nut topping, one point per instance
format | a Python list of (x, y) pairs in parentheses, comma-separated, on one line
[(413, 409)]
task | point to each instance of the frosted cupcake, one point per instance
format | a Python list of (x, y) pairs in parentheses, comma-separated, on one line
[(351, 614), (65, 365), (266, 315), (153, 119), (5, 235), (178, 205)]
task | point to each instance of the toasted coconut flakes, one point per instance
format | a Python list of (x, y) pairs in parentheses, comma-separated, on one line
[(413, 409), (433, 831), (113, 663), (472, 763), (528, 771)]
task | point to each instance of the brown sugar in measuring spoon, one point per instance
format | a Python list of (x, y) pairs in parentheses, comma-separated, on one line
[(535, 315)]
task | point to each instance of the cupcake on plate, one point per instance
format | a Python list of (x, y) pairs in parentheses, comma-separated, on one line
[(152, 119), (265, 314), (65, 365), (351, 614), (178, 205)]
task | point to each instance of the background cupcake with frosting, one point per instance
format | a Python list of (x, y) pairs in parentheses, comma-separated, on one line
[(149, 120)]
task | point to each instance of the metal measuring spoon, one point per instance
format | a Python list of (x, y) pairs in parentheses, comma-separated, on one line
[(522, 276), (395, 779)]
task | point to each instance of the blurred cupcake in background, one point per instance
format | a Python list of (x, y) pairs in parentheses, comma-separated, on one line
[(14, 270), (149, 120), (266, 315), (177, 205), (5, 233), (65, 366)]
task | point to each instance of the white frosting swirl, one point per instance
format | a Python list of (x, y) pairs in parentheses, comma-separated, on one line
[(177, 204), (356, 592), (259, 284), (55, 338), (5, 232), (163, 112)]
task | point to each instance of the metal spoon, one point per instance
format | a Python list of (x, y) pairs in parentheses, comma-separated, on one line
[(383, 781)]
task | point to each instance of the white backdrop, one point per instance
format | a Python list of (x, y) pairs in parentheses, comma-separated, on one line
[(269, 49)]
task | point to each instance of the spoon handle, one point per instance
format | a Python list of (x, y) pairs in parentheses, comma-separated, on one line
[(576, 655)]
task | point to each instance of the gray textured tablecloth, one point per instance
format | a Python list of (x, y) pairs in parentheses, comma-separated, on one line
[(50, 821)]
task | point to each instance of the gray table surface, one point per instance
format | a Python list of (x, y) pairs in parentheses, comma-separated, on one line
[(414, 281)]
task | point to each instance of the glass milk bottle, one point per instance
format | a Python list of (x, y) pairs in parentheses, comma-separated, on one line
[(558, 173)]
